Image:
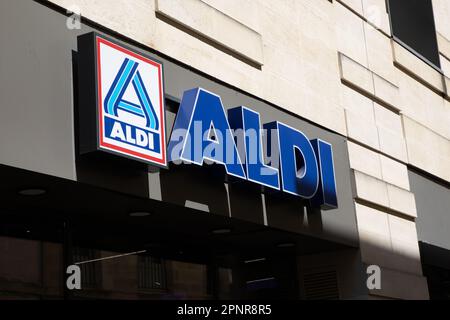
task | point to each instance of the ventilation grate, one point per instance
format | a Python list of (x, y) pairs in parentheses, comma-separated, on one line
[(321, 285)]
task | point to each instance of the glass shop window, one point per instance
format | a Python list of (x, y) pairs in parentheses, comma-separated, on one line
[(151, 273), (90, 270), (413, 26)]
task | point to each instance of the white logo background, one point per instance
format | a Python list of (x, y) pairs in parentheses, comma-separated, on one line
[(111, 60)]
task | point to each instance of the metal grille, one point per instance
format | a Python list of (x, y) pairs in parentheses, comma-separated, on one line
[(321, 285), (151, 273), (90, 273)]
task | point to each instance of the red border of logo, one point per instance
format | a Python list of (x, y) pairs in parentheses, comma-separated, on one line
[(161, 161)]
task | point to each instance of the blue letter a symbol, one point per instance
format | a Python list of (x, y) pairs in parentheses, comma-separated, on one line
[(115, 101)]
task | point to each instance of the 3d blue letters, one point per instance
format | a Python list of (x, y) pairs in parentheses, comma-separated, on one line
[(200, 112), (299, 170), (202, 131), (326, 196), (247, 126)]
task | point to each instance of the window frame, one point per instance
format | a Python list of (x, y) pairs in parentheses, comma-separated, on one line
[(409, 48)]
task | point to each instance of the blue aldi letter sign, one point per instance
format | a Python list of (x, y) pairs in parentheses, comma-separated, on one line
[(305, 167), (129, 100)]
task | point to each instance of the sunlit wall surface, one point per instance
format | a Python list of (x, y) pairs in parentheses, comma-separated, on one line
[(344, 71)]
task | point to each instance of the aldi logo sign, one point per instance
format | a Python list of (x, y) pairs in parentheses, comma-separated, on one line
[(131, 112), (121, 110), (129, 99)]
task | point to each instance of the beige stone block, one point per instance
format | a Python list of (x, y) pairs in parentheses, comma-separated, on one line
[(288, 94), (376, 14), (405, 245), (289, 10), (447, 86), (356, 74), (445, 65), (111, 15), (364, 160), (426, 149), (403, 230), (402, 200), (379, 52), (386, 92), (439, 117), (390, 132), (414, 96), (325, 112), (355, 5), (375, 248), (387, 241), (306, 83), (441, 9), (200, 55), (304, 101), (388, 119), (277, 29), (349, 30), (377, 165), (394, 172), (408, 255), (384, 194), (284, 64), (417, 67), (371, 189), (444, 45), (244, 11), (372, 221), (392, 143), (209, 22), (362, 130), (424, 106), (356, 103), (401, 285), (374, 235)]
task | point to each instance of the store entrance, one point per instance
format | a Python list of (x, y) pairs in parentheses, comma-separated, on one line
[(135, 248), (117, 264), (37, 252)]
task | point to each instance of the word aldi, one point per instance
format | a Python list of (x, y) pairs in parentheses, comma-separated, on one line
[(126, 89), (204, 132), (121, 109)]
